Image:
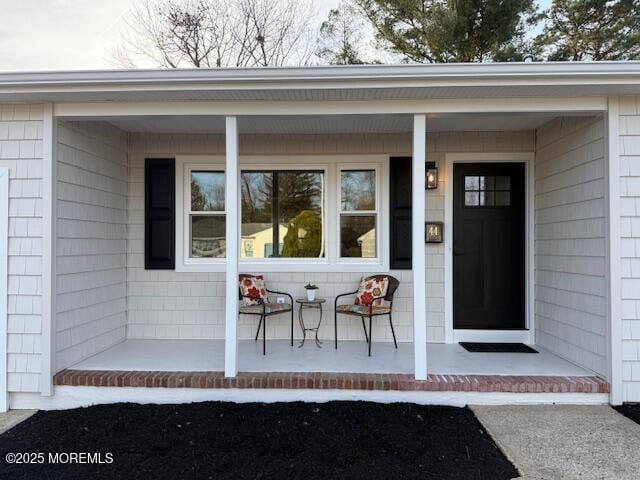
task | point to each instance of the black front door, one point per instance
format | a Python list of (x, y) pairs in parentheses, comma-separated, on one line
[(489, 246)]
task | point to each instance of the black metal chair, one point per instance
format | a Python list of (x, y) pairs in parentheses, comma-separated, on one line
[(264, 310), (368, 311)]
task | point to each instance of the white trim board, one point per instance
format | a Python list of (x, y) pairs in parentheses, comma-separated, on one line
[(613, 273), (49, 148), (4, 240), (67, 397), (77, 110), (452, 335)]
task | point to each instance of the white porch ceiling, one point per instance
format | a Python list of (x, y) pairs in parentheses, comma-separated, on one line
[(317, 124)]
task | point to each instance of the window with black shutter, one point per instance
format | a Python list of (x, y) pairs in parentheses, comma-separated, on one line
[(159, 214), (400, 213)]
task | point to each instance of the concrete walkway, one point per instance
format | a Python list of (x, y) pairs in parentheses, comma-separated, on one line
[(11, 418), (565, 442)]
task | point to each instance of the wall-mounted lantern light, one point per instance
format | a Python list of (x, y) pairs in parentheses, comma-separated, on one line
[(433, 232), (431, 175)]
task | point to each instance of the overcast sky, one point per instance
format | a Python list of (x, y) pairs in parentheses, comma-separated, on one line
[(69, 34)]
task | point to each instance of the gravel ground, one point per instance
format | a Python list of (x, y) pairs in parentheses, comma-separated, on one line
[(11, 418), (565, 442)]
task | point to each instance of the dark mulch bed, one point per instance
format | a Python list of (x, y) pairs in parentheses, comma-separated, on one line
[(215, 440), (631, 411)]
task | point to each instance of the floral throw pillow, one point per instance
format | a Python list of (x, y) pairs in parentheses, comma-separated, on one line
[(253, 290), (371, 288)]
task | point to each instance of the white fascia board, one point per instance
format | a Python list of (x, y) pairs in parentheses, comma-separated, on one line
[(361, 72), (326, 77)]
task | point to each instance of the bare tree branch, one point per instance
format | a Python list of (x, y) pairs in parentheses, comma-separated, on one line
[(216, 33)]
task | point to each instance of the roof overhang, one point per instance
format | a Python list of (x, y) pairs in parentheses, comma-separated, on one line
[(380, 82)]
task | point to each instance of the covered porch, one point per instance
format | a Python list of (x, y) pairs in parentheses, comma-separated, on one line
[(207, 356), (455, 376), (121, 319)]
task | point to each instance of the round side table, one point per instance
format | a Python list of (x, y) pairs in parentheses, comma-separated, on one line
[(306, 304)]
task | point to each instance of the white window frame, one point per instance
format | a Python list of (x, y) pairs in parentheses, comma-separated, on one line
[(189, 213), (184, 167), (289, 261), (331, 165), (381, 237)]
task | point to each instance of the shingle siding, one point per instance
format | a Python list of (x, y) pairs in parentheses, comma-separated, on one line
[(629, 149), (21, 133), (166, 304), (570, 240), (91, 240)]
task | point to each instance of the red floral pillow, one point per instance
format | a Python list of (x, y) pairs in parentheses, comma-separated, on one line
[(371, 288), (253, 290)]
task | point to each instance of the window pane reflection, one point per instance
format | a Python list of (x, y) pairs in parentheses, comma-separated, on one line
[(358, 236), (487, 191), (208, 236), (358, 190), (207, 191), (296, 198)]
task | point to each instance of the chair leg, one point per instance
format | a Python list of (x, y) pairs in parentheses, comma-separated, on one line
[(392, 331), (258, 331), (264, 337), (292, 325), (335, 328), (370, 334), (364, 327)]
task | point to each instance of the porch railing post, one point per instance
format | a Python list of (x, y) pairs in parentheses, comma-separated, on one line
[(232, 243), (418, 266)]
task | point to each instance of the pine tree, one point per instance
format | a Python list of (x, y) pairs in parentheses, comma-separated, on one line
[(429, 31), (591, 30)]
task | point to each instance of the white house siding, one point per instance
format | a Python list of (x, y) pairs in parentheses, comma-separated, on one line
[(630, 244), (21, 128), (91, 240), (570, 246), (167, 304)]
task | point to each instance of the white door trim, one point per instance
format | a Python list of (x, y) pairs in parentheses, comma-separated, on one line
[(452, 335), (4, 240)]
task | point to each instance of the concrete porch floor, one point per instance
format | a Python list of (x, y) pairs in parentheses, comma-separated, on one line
[(351, 357)]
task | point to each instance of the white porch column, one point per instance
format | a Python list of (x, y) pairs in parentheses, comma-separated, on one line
[(418, 246), (232, 223)]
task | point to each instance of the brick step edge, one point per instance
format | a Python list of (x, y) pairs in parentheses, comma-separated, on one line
[(340, 381)]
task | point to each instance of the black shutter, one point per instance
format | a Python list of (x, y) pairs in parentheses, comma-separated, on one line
[(159, 214), (400, 213)]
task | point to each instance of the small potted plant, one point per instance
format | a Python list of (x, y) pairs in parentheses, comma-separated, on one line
[(311, 291)]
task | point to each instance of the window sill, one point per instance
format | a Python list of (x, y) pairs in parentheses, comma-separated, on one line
[(218, 266), (284, 267)]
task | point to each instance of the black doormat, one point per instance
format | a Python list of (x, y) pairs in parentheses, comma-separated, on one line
[(485, 347), (630, 410), (224, 441)]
